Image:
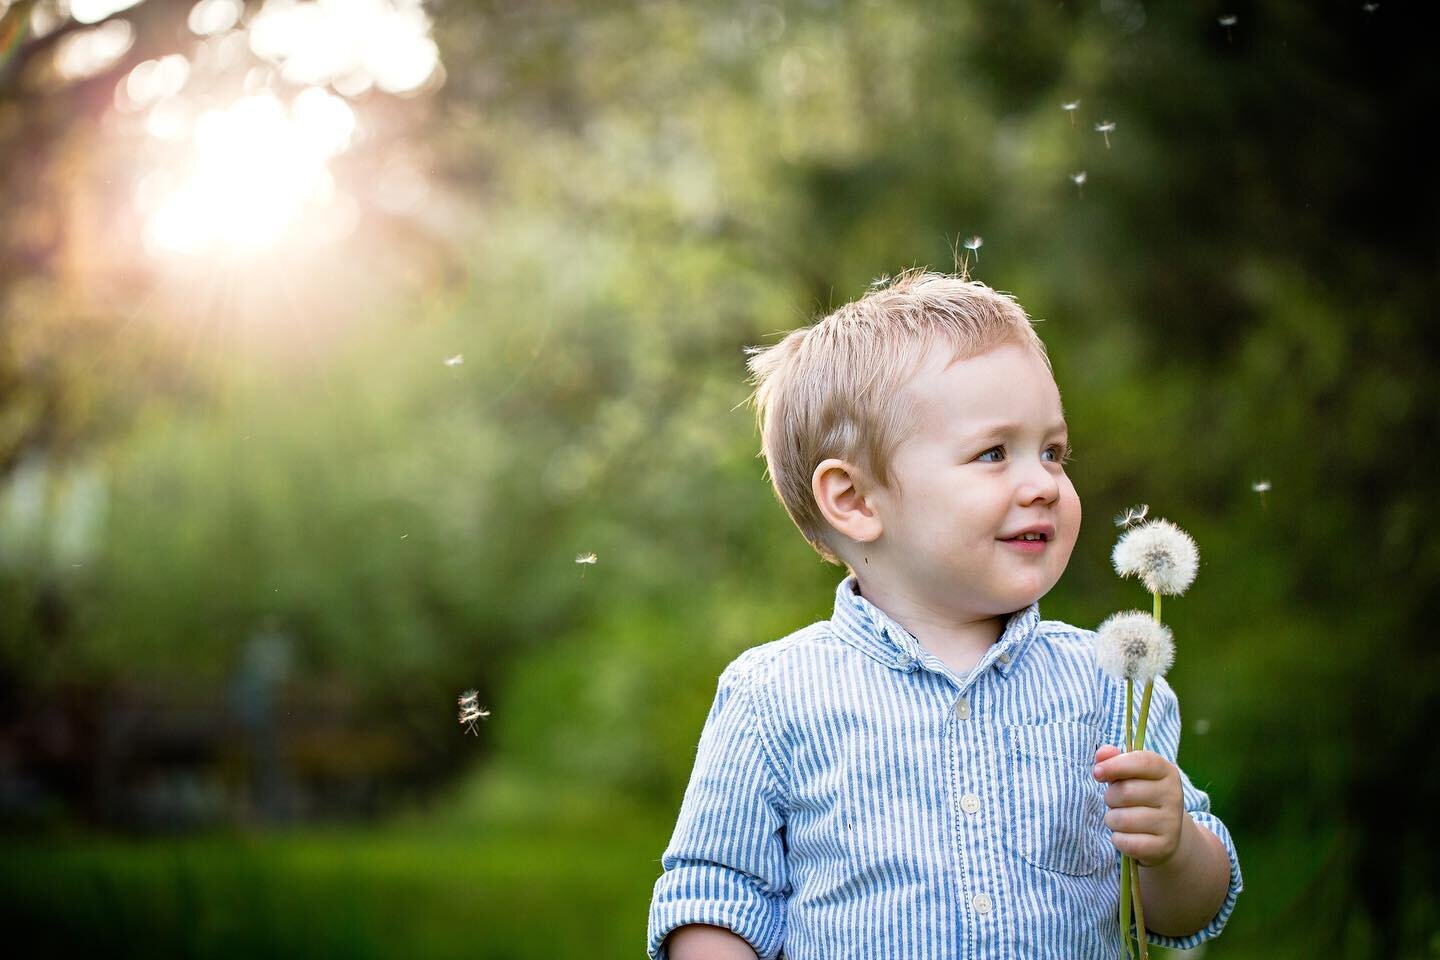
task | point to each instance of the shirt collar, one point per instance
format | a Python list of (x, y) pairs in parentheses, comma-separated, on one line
[(878, 635)]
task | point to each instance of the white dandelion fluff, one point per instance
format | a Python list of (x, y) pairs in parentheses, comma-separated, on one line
[(1229, 20), (586, 558), (455, 361), (1070, 106), (1163, 556), (1261, 486), (470, 710), (1133, 645), (1131, 515), (974, 244), (1106, 127)]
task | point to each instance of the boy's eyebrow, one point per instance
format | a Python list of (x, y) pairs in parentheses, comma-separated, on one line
[(994, 428)]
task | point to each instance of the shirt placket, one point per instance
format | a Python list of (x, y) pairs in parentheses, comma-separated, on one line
[(977, 797)]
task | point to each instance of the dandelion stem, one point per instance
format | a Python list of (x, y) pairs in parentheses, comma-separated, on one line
[(1144, 715), (1125, 904), (1140, 934), (1129, 710)]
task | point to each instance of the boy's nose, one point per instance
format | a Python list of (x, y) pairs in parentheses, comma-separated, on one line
[(1040, 484)]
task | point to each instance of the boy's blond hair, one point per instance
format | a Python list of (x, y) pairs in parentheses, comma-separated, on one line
[(832, 389)]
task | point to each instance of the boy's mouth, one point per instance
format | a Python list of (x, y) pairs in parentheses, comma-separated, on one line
[(1025, 545), (1039, 533)]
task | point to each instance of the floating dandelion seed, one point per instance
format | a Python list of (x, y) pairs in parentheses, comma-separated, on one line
[(1070, 107), (974, 244), (1162, 555), (1106, 127), (455, 361), (1134, 646), (881, 281), (1078, 178), (470, 710), (1369, 7), (1202, 726), (1131, 515), (586, 558), (1261, 487), (1228, 21)]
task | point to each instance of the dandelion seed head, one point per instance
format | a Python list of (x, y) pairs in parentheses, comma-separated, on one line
[(974, 243), (1163, 556), (1261, 486), (1079, 177), (455, 361), (1131, 515), (1105, 126), (1229, 20), (586, 558), (1133, 645)]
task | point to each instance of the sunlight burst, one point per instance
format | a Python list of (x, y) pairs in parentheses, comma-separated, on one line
[(253, 170)]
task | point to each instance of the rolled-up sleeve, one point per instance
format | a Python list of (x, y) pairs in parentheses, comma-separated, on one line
[(725, 863), (1162, 735)]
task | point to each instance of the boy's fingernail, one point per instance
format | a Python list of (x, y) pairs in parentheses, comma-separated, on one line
[(1097, 770)]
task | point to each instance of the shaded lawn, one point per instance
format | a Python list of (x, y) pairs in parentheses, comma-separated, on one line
[(542, 879), (482, 892)]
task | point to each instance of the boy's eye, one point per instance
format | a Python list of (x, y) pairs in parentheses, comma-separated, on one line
[(1061, 451)]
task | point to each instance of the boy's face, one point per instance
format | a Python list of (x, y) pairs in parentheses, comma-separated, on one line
[(983, 463)]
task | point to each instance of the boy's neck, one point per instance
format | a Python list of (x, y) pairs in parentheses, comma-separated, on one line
[(958, 642)]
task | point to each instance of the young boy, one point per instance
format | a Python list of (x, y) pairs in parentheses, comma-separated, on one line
[(923, 775)]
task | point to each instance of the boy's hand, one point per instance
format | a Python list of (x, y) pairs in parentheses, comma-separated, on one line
[(1147, 812)]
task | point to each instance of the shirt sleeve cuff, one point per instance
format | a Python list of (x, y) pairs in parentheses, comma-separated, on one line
[(717, 895), (1217, 923)]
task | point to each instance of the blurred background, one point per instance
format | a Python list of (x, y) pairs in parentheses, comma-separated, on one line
[(358, 353)]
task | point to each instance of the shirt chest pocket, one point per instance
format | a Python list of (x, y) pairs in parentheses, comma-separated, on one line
[(1056, 808)]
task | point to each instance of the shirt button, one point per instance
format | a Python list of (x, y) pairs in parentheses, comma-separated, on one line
[(981, 902), (1004, 658), (962, 709), (970, 803)]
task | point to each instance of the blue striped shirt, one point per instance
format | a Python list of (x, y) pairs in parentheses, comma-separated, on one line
[(853, 796)]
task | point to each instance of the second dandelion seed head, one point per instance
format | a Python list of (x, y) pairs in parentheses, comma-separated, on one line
[(1133, 645)]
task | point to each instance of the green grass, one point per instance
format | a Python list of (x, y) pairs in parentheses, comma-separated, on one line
[(415, 891)]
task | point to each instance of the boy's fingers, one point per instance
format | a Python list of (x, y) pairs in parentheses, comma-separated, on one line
[(1137, 764), (1106, 752)]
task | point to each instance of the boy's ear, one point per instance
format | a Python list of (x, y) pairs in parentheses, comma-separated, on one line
[(839, 491)]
